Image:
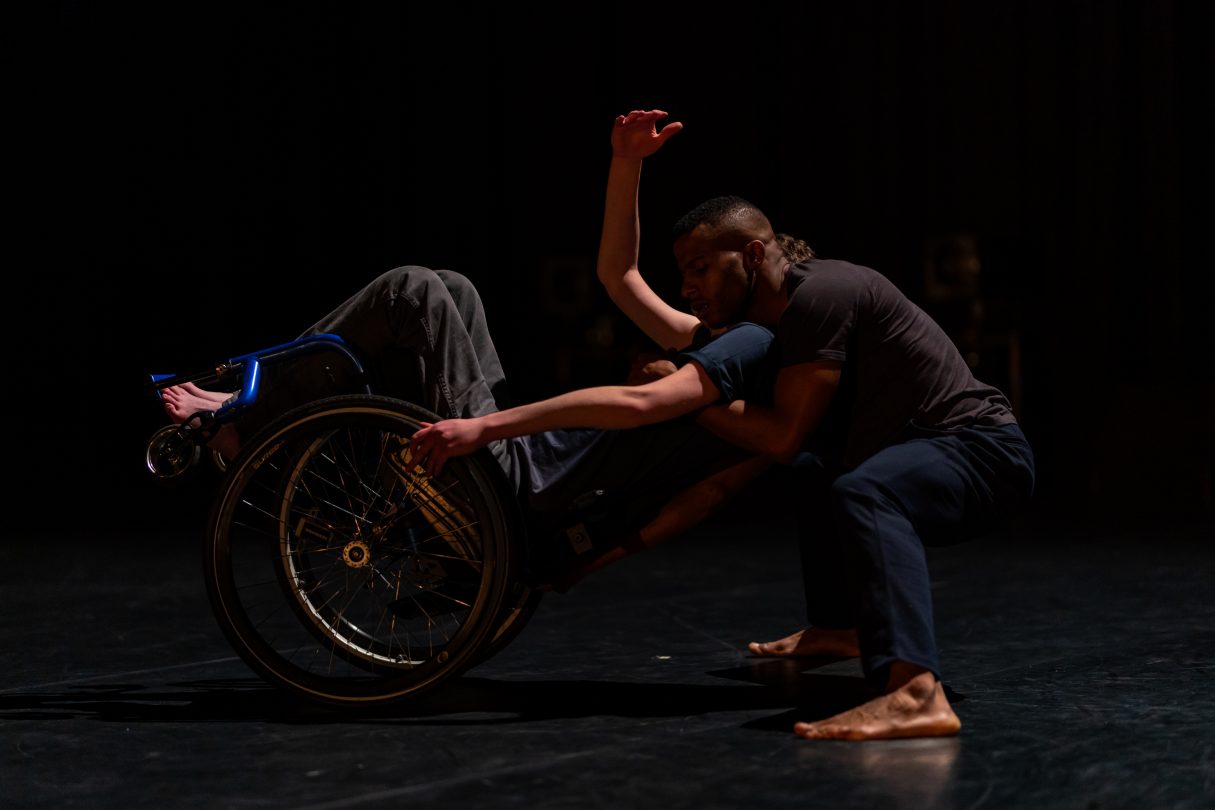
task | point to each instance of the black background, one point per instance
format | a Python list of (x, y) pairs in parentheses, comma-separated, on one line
[(191, 182)]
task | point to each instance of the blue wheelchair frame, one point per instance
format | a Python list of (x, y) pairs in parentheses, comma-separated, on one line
[(173, 450)]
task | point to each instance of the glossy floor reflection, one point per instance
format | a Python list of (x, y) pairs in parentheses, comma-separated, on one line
[(1081, 662)]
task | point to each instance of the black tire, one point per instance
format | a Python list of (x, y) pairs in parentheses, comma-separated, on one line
[(517, 610), (340, 571)]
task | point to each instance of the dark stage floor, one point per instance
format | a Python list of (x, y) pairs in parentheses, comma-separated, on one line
[(1081, 662)]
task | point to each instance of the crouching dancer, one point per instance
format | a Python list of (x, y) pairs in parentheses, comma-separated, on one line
[(895, 441)]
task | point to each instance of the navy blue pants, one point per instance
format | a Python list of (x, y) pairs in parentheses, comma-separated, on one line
[(863, 532)]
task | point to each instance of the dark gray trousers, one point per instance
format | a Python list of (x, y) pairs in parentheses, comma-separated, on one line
[(421, 335)]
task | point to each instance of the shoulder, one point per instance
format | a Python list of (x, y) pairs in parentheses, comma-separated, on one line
[(746, 330), (826, 276), (829, 288), (743, 338), (742, 346), (735, 361)]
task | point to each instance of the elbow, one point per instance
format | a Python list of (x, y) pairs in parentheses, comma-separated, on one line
[(613, 276), (642, 407), (782, 455), (642, 411), (610, 276), (612, 285), (789, 438), (785, 449)]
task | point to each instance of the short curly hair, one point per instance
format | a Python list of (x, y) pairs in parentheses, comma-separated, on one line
[(732, 216), (795, 249), (728, 213)]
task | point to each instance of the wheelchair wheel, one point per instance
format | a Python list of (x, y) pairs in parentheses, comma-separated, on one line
[(515, 613), (340, 570)]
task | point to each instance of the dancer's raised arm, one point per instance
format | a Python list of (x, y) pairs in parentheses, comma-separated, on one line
[(635, 137)]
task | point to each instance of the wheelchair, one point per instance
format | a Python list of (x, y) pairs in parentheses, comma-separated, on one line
[(341, 571), (336, 567)]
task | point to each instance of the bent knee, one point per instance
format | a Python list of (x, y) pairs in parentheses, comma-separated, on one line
[(854, 486), (411, 279), (462, 291), (456, 282)]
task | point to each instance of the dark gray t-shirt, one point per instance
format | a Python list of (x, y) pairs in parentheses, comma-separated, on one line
[(900, 370)]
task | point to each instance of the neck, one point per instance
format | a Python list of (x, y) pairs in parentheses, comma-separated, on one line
[(771, 294)]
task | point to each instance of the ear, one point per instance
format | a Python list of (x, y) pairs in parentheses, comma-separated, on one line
[(755, 251)]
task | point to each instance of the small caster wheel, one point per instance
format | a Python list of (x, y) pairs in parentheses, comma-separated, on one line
[(171, 453)]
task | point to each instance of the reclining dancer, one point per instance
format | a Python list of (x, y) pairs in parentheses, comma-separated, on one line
[(424, 337)]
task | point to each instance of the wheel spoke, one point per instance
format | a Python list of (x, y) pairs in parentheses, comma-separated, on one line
[(343, 571)]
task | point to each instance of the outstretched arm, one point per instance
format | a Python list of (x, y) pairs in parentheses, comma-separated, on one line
[(608, 407), (635, 137)]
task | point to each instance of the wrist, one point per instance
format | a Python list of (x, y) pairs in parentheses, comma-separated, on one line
[(488, 427)]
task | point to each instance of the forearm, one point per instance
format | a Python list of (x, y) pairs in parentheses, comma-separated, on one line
[(611, 407), (620, 240), (685, 510), (801, 396), (693, 505), (616, 267), (751, 427), (608, 407)]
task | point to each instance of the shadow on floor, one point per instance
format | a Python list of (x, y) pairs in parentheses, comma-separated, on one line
[(464, 701)]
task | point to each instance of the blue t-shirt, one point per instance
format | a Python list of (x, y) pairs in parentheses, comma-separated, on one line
[(738, 362)]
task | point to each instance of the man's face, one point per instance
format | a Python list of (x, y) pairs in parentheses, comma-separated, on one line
[(715, 283)]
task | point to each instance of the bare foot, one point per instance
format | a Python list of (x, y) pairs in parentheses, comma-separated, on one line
[(218, 397), (185, 400), (918, 708), (812, 641)]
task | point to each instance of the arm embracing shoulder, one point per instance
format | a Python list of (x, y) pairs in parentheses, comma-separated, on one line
[(802, 394)]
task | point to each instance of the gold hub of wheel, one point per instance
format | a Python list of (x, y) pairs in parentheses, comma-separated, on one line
[(356, 554)]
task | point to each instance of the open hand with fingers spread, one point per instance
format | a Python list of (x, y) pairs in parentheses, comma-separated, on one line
[(635, 135), (435, 443)]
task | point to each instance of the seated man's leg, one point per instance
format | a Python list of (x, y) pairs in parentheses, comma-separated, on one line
[(412, 335), (472, 314), (412, 332), (410, 327)]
